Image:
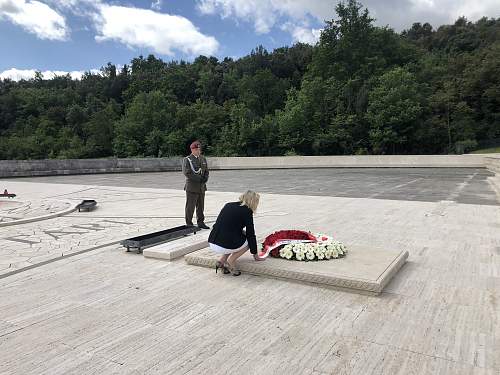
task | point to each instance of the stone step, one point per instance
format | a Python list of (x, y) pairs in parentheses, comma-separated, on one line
[(363, 270), (177, 248)]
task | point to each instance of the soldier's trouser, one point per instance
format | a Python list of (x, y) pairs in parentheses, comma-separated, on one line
[(195, 200)]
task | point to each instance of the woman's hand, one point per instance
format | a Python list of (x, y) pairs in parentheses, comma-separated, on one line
[(257, 258)]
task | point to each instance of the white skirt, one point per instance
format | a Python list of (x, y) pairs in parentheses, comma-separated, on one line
[(222, 250)]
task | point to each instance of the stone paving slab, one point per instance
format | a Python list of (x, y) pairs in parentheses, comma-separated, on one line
[(109, 311), (463, 185), (363, 269), (179, 247)]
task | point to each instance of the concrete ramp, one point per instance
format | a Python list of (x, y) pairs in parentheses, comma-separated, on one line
[(363, 270)]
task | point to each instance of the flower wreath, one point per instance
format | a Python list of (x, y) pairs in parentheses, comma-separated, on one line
[(302, 245)]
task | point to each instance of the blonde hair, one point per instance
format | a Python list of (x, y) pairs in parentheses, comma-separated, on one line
[(250, 199)]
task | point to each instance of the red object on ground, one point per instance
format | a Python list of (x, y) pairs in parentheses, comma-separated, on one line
[(274, 239)]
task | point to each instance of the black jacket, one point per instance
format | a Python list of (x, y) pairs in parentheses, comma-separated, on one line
[(228, 229)]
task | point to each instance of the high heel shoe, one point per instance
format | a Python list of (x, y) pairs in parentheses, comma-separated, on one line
[(220, 265), (233, 270)]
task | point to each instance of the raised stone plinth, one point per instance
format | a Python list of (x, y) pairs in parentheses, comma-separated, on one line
[(363, 270), (179, 247)]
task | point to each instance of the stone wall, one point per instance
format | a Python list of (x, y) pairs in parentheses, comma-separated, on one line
[(362, 161), (18, 168)]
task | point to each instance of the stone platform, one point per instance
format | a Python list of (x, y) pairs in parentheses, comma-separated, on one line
[(177, 248), (363, 270), (73, 301)]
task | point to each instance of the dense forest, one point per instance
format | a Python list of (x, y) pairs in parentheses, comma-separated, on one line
[(362, 89)]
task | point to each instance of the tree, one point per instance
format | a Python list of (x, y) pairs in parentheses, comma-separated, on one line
[(148, 112), (361, 89), (237, 136), (263, 92), (393, 111), (99, 131)]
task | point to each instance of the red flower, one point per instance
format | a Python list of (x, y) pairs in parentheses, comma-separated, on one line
[(273, 240)]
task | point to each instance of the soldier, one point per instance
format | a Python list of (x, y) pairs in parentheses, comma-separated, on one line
[(195, 168)]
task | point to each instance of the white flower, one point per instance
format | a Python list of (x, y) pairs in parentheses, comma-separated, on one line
[(325, 248), (286, 252), (299, 249), (320, 252)]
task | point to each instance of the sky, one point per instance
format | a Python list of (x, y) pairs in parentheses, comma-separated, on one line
[(74, 36)]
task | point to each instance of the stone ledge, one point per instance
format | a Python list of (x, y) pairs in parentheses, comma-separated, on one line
[(177, 248), (348, 161), (50, 167), (363, 270)]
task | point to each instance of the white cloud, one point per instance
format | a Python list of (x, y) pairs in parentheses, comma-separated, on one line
[(438, 12), (477, 9), (398, 14), (35, 17), (265, 14), (302, 33), (306, 35), (76, 6), (156, 4), (19, 74), (160, 32), (261, 13), (401, 14)]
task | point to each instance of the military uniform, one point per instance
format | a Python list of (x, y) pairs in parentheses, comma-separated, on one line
[(196, 171)]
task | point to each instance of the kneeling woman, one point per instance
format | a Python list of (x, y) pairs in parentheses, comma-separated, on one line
[(228, 236)]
